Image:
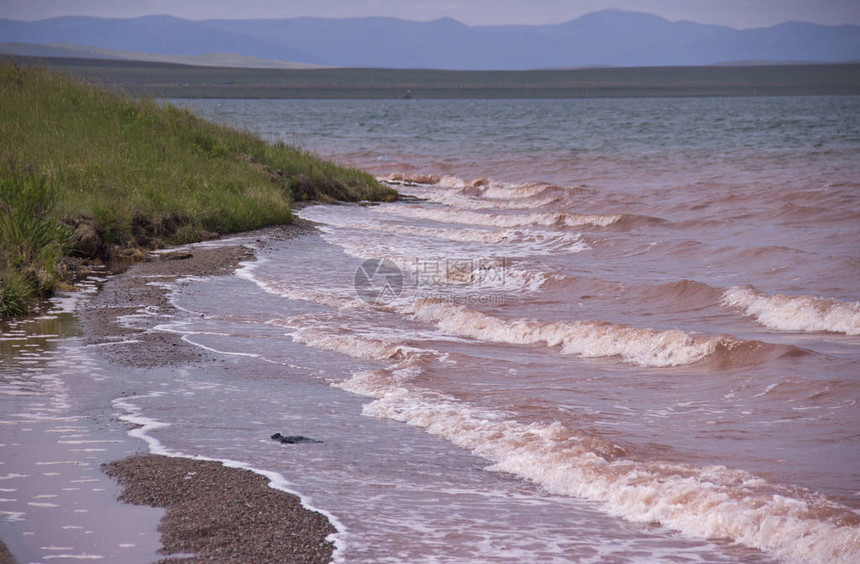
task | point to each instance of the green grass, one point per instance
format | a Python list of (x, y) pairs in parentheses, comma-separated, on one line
[(33, 241), (88, 172)]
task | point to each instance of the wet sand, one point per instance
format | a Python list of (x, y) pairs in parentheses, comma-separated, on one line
[(214, 513), (5, 556), (222, 514), (138, 288)]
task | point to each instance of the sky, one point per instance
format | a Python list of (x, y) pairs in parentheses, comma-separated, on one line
[(735, 13)]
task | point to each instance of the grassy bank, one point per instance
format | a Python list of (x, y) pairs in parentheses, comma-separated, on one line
[(88, 173)]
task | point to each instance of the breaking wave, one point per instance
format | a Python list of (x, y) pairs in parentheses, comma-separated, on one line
[(465, 217), (531, 241), (795, 525), (588, 339), (796, 313)]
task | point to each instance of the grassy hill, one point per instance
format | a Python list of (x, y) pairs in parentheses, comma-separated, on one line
[(90, 174)]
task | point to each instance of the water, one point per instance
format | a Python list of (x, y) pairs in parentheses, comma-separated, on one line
[(613, 331), (55, 431)]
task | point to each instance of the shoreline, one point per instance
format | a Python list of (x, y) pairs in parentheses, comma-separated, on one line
[(168, 80), (213, 512)]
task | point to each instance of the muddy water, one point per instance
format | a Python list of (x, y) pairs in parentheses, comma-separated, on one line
[(647, 305)]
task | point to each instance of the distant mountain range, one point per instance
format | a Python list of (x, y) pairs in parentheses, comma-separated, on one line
[(70, 50), (610, 37)]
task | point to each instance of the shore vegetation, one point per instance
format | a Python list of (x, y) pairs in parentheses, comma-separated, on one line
[(87, 174)]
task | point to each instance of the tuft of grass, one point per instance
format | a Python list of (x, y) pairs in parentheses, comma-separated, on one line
[(16, 294), (93, 173), (33, 241)]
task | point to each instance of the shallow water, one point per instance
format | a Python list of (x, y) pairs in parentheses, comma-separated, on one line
[(55, 432)]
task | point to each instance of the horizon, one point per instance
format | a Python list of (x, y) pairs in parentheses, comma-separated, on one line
[(440, 18), (737, 14)]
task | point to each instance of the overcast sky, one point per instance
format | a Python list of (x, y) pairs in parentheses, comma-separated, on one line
[(735, 13)]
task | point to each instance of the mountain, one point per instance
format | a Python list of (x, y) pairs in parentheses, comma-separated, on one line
[(610, 37), (70, 50)]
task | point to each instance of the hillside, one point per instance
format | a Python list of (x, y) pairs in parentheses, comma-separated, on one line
[(611, 37), (87, 174)]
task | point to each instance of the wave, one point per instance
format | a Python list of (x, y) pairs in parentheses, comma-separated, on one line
[(646, 347), (706, 502), (459, 199), (488, 187), (407, 179), (680, 295), (331, 297), (795, 313), (684, 291), (348, 343), (465, 217), (532, 241), (588, 339), (491, 189), (483, 193)]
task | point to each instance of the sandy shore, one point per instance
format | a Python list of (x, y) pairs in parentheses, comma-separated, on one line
[(214, 513)]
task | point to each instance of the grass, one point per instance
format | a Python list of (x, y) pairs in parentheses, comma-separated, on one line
[(90, 173), (33, 242)]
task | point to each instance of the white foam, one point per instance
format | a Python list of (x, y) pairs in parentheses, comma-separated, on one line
[(493, 188), (796, 313), (286, 289), (73, 557), (414, 240), (467, 217), (704, 502), (589, 339), (357, 346), (13, 515), (486, 194), (534, 240)]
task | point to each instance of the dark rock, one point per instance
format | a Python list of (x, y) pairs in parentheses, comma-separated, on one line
[(293, 439)]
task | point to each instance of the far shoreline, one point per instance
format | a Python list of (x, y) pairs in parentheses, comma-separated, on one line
[(171, 80)]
